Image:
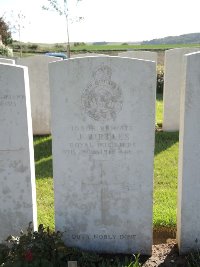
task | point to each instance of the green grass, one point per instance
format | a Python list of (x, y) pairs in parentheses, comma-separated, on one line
[(165, 173), (118, 47), (44, 180), (159, 108), (165, 177)]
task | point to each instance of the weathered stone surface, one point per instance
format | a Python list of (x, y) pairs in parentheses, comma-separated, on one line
[(188, 222), (103, 122), (172, 85), (87, 55), (146, 55), (7, 60), (17, 175), (39, 90)]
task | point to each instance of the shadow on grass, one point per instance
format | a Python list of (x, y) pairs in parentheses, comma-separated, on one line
[(44, 169), (165, 255), (164, 140), (42, 147), (43, 156), (159, 97)]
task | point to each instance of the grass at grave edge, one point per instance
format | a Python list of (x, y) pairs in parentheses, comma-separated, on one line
[(44, 180), (165, 179), (159, 109)]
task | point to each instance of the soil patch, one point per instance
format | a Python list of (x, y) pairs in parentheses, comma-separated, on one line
[(165, 250), (164, 255)]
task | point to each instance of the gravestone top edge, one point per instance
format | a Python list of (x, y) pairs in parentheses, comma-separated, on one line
[(192, 54), (102, 58)]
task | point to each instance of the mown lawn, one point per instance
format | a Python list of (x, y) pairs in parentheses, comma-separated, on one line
[(165, 179), (165, 176), (44, 180), (159, 109)]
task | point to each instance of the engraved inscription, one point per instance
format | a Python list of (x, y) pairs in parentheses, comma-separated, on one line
[(10, 100), (102, 99), (103, 140), (78, 237)]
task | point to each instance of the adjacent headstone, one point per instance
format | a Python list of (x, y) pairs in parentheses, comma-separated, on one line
[(172, 85), (146, 55), (103, 123), (188, 221), (39, 90), (17, 175), (87, 55), (7, 61)]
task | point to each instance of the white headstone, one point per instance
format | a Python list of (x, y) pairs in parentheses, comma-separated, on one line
[(87, 55), (188, 222), (7, 61), (173, 69), (146, 55), (17, 174), (103, 122), (39, 90)]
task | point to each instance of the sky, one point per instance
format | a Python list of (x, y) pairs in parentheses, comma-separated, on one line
[(104, 20)]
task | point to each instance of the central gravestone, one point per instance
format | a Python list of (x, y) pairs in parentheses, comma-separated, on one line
[(103, 124)]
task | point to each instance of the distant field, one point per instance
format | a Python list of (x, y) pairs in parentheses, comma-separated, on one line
[(129, 47), (109, 49), (42, 48)]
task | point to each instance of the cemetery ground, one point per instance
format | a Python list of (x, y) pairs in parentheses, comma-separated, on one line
[(165, 249), (165, 252)]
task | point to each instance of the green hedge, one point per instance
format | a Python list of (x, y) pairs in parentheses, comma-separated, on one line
[(6, 51)]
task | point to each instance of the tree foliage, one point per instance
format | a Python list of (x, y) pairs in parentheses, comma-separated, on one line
[(61, 7), (5, 32)]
